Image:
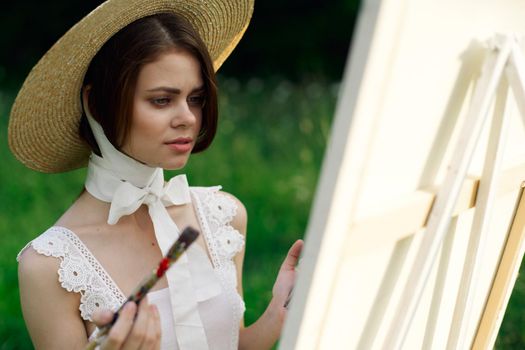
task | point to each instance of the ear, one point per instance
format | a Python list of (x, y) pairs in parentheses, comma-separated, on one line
[(86, 89)]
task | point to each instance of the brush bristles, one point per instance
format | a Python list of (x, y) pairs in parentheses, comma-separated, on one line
[(186, 238)]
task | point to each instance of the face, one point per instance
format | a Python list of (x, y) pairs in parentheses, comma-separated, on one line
[(167, 111)]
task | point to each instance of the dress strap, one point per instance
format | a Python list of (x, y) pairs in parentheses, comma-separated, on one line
[(216, 211)]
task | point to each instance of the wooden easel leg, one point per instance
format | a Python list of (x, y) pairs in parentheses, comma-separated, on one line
[(434, 313), (482, 216), (504, 279)]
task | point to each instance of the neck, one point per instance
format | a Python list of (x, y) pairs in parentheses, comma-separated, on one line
[(98, 210)]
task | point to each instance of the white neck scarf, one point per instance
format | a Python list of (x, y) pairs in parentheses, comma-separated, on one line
[(127, 184)]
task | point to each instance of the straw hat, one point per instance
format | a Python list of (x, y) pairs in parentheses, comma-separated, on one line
[(43, 127)]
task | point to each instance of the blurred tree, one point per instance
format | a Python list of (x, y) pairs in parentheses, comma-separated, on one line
[(287, 38), (296, 38), (29, 28)]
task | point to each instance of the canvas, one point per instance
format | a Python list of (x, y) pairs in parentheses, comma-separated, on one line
[(406, 95)]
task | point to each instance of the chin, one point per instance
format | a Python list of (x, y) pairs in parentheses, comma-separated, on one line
[(173, 165)]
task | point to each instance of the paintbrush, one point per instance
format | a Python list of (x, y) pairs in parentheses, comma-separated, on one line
[(186, 238)]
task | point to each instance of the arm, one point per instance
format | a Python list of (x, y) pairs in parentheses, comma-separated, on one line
[(50, 312), (266, 330), (53, 319)]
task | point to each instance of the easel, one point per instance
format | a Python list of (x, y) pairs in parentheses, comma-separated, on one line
[(506, 59)]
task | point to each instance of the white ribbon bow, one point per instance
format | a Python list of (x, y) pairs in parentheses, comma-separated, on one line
[(128, 198)]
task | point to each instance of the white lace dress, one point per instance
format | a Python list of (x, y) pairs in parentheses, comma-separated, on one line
[(220, 306)]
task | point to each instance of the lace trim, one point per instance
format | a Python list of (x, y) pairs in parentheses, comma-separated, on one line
[(215, 212), (79, 271)]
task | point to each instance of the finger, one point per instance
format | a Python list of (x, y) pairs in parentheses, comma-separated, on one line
[(102, 317), (140, 327), (120, 330), (158, 328), (152, 338), (293, 255)]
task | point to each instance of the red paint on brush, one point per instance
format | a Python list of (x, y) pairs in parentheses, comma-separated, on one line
[(163, 266)]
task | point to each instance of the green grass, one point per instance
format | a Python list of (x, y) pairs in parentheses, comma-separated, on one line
[(267, 152)]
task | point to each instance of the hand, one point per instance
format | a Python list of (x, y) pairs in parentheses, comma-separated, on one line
[(267, 329), (286, 278), (130, 332)]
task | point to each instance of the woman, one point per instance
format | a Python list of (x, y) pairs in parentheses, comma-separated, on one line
[(134, 84)]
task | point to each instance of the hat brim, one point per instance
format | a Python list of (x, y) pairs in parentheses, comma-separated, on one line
[(44, 120)]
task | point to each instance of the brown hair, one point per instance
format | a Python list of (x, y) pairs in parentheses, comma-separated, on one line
[(112, 76)]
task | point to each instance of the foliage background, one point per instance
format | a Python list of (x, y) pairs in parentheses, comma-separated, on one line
[(278, 93)]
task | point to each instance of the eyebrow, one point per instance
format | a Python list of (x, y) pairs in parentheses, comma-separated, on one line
[(174, 91)]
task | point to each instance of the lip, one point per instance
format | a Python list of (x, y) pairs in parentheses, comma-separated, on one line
[(180, 144)]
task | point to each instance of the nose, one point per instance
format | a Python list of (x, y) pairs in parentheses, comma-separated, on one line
[(183, 116)]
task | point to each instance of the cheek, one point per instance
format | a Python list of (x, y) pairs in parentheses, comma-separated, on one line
[(141, 115), (146, 122)]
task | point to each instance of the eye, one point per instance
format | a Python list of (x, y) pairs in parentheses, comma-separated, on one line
[(197, 100), (160, 101)]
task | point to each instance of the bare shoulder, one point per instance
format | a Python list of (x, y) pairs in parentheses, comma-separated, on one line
[(37, 272), (36, 268), (240, 219), (49, 310)]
